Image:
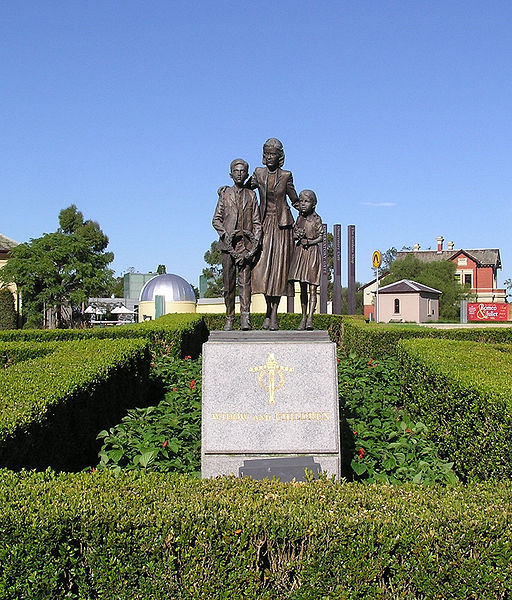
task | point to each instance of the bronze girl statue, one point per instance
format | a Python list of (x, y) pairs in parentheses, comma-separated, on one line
[(306, 264)]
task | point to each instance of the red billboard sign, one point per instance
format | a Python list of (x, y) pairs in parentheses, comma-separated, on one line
[(487, 311)]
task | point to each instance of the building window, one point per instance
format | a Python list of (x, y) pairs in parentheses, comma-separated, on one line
[(397, 306), (468, 279), (458, 278)]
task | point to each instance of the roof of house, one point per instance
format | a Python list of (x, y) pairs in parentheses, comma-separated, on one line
[(484, 257), (6, 243), (407, 286), (373, 281)]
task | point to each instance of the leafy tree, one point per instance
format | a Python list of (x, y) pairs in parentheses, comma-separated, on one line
[(388, 258), (7, 311), (359, 300), (213, 273), (61, 269), (436, 274), (508, 285), (116, 288)]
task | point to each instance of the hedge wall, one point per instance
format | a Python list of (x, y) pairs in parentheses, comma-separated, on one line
[(176, 334), (332, 323), (462, 391), (372, 340), (52, 407), (159, 537), (14, 352)]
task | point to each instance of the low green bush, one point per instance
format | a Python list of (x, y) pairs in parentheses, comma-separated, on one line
[(373, 340), (332, 323), (155, 536), (380, 441), (14, 352), (175, 334), (52, 407), (462, 391), (165, 437)]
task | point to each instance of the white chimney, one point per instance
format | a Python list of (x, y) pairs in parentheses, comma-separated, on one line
[(416, 247), (450, 246)]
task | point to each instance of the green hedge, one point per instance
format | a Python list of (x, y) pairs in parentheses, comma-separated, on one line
[(14, 352), (332, 323), (379, 339), (158, 537), (176, 334), (462, 391), (52, 407)]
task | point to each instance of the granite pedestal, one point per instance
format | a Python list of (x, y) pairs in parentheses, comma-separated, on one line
[(271, 397)]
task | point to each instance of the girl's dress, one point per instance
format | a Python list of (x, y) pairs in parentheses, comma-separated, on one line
[(306, 263)]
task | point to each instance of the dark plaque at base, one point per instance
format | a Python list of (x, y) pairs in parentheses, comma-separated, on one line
[(284, 469)]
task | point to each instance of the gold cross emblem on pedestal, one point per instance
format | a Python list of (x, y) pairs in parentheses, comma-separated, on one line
[(275, 376)]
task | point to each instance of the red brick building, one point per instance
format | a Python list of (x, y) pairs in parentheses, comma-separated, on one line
[(477, 268)]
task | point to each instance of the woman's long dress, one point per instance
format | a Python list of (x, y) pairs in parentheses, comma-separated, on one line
[(270, 274)]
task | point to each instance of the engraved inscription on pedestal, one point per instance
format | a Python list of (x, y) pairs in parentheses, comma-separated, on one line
[(273, 397)]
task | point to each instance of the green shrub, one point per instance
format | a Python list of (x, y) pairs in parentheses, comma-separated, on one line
[(332, 323), (154, 536), (52, 407), (175, 334), (166, 437), (7, 311), (15, 352), (380, 441), (462, 391), (379, 339)]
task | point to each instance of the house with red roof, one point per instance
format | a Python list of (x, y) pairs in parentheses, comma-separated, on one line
[(476, 268)]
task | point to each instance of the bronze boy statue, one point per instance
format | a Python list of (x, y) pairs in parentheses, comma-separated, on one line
[(238, 223)]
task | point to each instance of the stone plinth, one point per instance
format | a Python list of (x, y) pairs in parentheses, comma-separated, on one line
[(269, 395)]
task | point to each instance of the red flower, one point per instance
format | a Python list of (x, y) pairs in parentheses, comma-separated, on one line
[(193, 384), (354, 432), (361, 453), (164, 444), (174, 389), (188, 357), (370, 363)]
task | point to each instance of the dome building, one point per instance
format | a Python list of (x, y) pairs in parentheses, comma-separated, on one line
[(163, 294)]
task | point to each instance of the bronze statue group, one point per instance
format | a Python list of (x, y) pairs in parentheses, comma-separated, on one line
[(262, 242)]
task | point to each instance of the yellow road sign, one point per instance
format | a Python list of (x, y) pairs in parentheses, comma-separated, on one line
[(376, 259)]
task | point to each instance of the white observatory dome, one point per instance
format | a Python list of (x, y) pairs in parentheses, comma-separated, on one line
[(173, 287)]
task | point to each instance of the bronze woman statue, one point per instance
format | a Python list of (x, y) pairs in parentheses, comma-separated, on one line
[(270, 274)]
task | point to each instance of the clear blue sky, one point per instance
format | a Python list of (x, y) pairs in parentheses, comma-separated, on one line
[(397, 113)]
